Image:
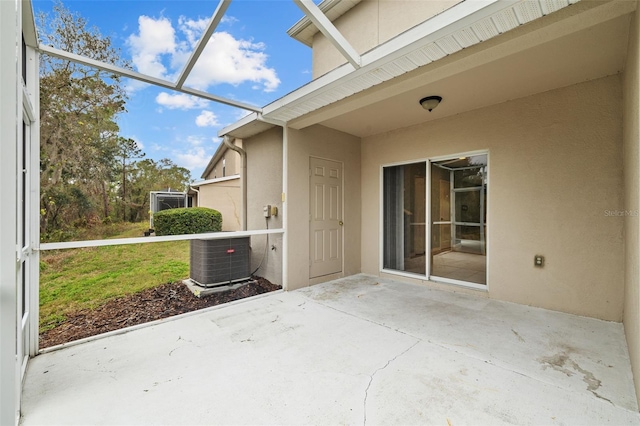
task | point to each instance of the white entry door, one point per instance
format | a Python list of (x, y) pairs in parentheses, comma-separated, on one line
[(325, 216)]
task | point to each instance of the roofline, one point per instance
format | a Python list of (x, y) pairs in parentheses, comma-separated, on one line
[(325, 6), (222, 148), (390, 59), (216, 180), (29, 28), (446, 22)]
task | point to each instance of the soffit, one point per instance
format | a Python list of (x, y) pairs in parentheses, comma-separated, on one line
[(304, 29), (394, 68), (585, 55), (438, 37)]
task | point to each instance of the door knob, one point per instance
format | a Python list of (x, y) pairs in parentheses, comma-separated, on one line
[(341, 223)]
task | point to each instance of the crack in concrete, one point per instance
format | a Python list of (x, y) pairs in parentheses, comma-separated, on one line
[(366, 391), (518, 335), (592, 382), (364, 319)]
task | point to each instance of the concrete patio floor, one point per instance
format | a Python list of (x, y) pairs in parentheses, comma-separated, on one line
[(356, 350)]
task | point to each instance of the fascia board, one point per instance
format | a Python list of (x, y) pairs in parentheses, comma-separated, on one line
[(29, 25), (222, 148), (216, 180), (328, 7), (330, 31), (459, 17), (448, 22), (248, 119)]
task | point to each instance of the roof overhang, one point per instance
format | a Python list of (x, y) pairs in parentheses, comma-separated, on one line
[(222, 148), (305, 29), (461, 27), (468, 26), (29, 25), (212, 181)]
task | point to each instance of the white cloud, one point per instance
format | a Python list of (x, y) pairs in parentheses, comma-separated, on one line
[(195, 140), (161, 49), (227, 19), (229, 60), (156, 37), (193, 158), (193, 29), (180, 101), (207, 119)]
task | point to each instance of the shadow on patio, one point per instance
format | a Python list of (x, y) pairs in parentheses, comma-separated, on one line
[(356, 350)]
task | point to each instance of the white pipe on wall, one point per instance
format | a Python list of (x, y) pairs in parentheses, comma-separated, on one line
[(227, 140)]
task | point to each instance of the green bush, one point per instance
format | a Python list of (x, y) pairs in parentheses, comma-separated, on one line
[(193, 220)]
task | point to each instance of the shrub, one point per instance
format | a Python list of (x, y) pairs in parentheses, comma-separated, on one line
[(193, 220)]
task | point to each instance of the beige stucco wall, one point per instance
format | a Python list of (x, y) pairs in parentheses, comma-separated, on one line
[(554, 168), (370, 23), (232, 163), (226, 197), (264, 187), (631, 167), (322, 142)]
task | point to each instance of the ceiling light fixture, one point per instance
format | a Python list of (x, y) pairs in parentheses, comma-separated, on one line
[(430, 102)]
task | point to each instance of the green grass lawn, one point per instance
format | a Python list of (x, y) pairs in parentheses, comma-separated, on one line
[(86, 278)]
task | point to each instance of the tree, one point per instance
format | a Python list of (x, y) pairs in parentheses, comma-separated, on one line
[(78, 109), (127, 150)]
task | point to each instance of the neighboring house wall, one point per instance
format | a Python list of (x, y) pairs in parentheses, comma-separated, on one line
[(322, 142), (264, 187), (225, 192), (631, 167), (370, 23), (231, 161), (555, 167), (224, 196)]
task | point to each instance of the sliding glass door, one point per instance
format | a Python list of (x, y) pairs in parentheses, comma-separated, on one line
[(457, 226), (458, 219), (404, 204)]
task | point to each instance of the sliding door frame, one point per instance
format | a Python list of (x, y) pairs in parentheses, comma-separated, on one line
[(428, 234)]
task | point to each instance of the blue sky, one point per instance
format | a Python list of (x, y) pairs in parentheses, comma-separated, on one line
[(250, 58)]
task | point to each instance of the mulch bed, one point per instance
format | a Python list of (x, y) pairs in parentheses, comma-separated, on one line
[(160, 302)]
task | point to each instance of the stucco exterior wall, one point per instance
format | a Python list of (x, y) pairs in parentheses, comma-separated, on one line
[(370, 23), (231, 161), (554, 170), (226, 197), (631, 167), (322, 142), (264, 187)]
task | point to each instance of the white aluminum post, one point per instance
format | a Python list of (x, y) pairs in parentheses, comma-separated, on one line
[(202, 43), (143, 77), (10, 31), (285, 206), (33, 215)]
